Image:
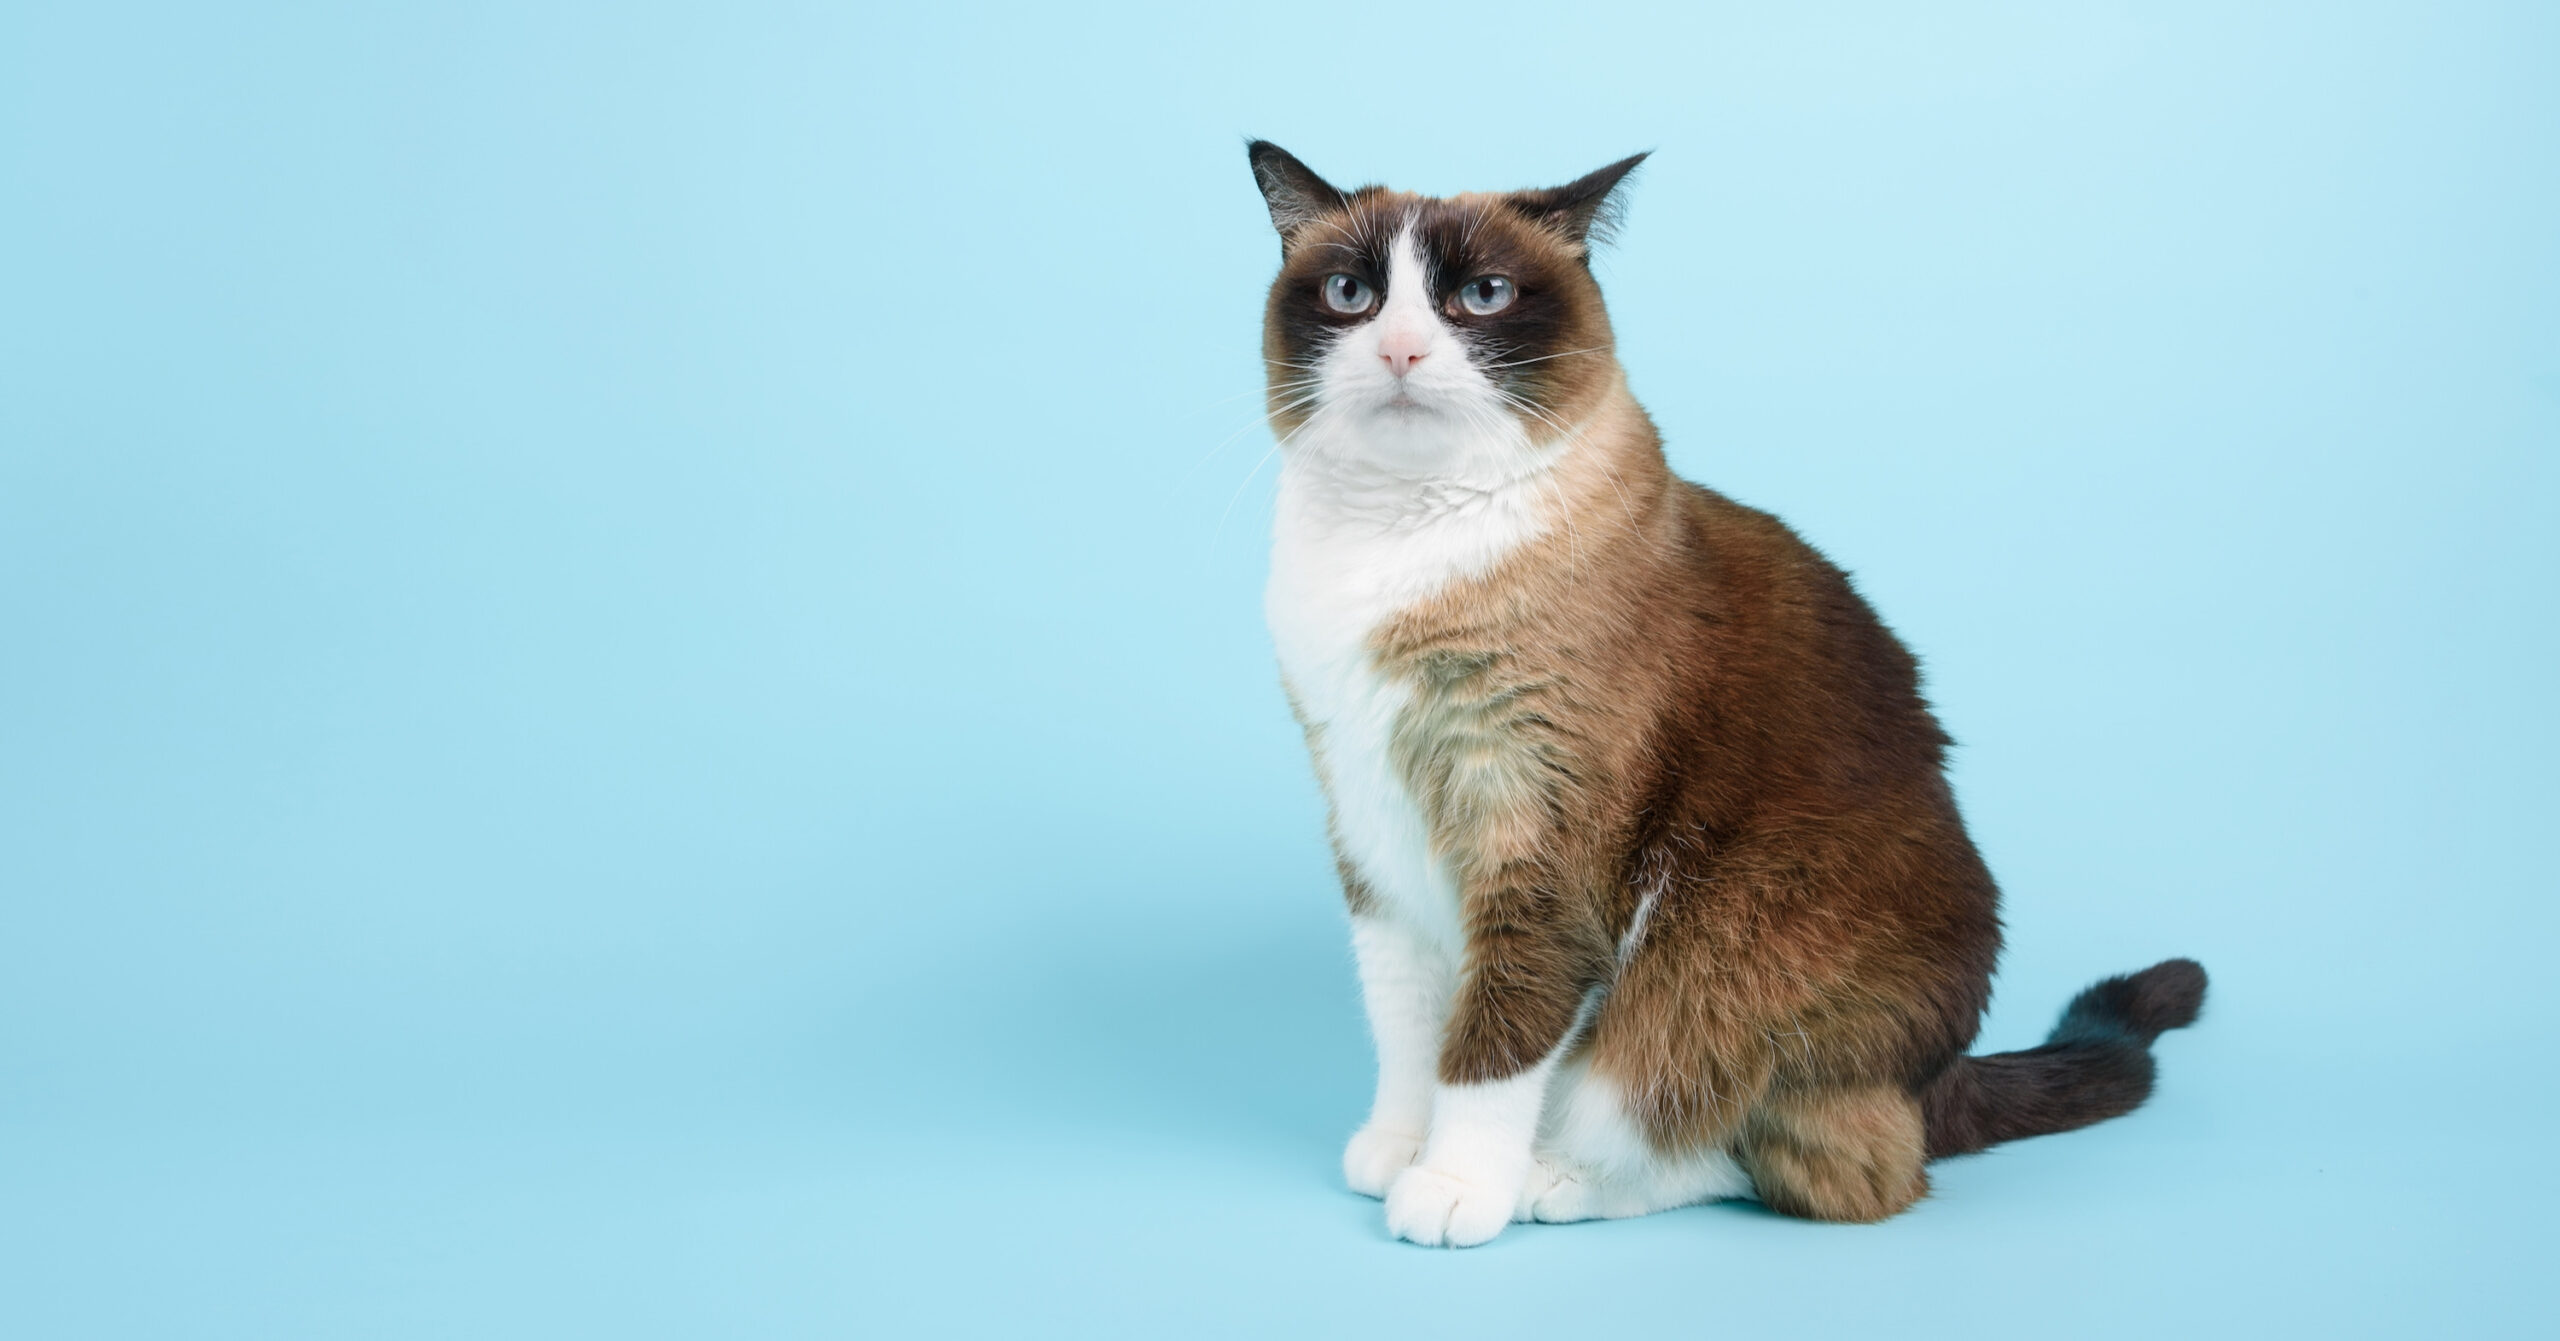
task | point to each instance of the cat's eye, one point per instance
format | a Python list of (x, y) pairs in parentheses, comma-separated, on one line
[(1347, 294), (1486, 294)]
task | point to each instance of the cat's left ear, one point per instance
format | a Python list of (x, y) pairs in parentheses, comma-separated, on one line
[(1586, 209)]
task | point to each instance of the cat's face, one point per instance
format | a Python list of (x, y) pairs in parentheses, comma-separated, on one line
[(1420, 334)]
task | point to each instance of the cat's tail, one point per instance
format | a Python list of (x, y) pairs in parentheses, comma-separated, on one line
[(2096, 1065)]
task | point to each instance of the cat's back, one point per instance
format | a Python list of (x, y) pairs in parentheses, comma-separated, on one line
[(1785, 664)]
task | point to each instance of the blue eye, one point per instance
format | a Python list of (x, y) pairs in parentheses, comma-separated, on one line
[(1346, 294), (1486, 294)]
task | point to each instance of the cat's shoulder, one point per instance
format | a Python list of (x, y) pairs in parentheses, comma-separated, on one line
[(1716, 526)]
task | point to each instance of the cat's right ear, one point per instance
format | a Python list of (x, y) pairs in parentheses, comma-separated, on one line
[(1296, 195)]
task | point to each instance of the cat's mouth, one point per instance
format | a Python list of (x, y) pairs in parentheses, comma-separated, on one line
[(1403, 401)]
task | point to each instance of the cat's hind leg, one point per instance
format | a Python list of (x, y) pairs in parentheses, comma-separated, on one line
[(1842, 1154), (1595, 1163), (1562, 1193)]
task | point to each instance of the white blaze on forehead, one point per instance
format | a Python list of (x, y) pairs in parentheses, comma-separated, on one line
[(1408, 311)]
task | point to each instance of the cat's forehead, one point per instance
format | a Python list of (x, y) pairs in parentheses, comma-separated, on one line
[(1475, 229)]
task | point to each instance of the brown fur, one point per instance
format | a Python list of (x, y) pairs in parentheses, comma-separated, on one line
[(1676, 692), (1670, 693)]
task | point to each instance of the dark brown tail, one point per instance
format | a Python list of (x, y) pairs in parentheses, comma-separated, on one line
[(2097, 1065)]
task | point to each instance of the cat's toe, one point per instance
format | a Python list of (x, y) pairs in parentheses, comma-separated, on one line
[(1543, 1174), (1556, 1194), (1375, 1156), (1440, 1210)]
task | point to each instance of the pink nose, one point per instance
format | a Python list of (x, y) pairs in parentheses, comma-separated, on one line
[(1402, 349)]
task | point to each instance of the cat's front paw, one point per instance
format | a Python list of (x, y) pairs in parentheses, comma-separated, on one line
[(1440, 1210), (1375, 1156)]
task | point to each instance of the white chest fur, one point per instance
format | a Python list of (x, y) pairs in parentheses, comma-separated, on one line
[(1347, 556)]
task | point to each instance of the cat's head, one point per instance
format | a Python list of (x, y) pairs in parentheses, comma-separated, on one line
[(1410, 329)]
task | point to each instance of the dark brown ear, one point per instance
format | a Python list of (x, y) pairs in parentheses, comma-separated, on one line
[(1294, 192), (1586, 209)]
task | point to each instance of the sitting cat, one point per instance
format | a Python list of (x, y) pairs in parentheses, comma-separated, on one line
[(1657, 887)]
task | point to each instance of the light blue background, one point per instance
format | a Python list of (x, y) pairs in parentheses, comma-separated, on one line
[(632, 700)]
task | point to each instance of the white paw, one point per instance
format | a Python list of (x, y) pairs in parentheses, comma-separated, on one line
[(1439, 1210), (1556, 1194), (1375, 1156)]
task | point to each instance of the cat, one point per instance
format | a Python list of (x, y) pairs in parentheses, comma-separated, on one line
[(1657, 889)]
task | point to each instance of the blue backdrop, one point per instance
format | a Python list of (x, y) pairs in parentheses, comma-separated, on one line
[(632, 698)]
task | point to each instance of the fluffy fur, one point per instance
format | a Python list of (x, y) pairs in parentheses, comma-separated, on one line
[(1657, 888)]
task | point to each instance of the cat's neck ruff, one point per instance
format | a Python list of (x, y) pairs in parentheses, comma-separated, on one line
[(1345, 495), (1353, 543)]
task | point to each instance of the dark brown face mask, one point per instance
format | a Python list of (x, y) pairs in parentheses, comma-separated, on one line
[(1506, 275)]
